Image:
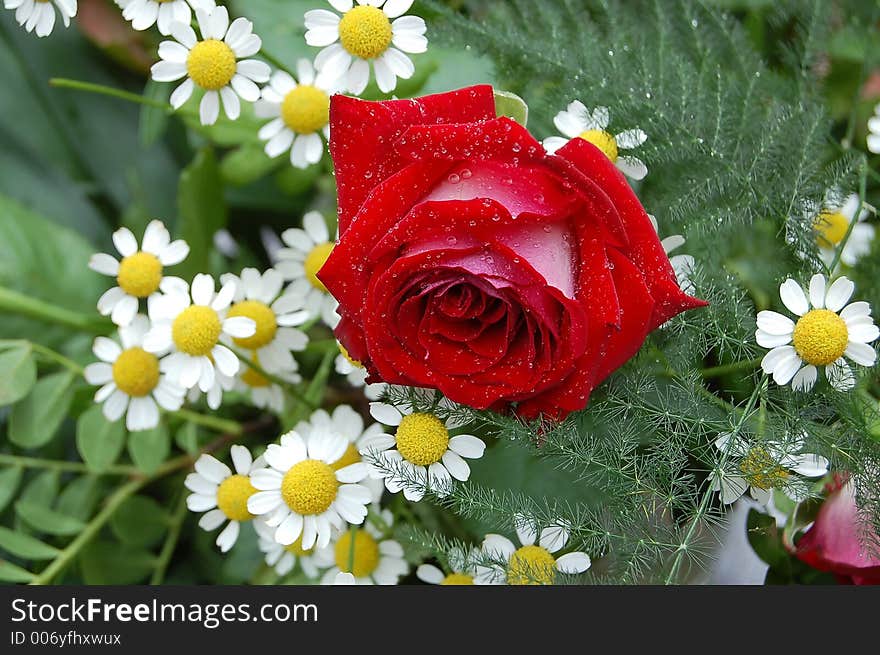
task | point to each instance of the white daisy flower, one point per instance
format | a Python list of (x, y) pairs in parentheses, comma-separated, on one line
[(264, 393), (420, 455), (356, 374), (192, 329), (346, 422), (462, 569), (300, 113), (821, 337), (344, 579), (307, 250), (130, 379), (140, 272), (682, 265), (143, 14), (213, 395), (373, 31), (213, 63), (366, 555), (579, 122), (302, 495), (38, 16), (874, 131), (831, 225), (222, 494), (259, 298), (283, 559), (532, 563), (762, 467)]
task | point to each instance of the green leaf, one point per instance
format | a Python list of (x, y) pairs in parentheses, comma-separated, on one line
[(98, 441), (511, 105), (187, 437), (202, 210), (153, 120), (10, 478), (80, 497), (140, 521), (12, 573), (35, 420), (247, 163), (18, 372), (149, 448), (42, 489), (47, 520), (25, 546), (106, 562)]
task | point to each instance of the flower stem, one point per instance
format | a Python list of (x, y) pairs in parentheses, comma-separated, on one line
[(223, 425), (17, 303), (62, 466), (64, 83), (716, 371), (863, 182), (176, 523)]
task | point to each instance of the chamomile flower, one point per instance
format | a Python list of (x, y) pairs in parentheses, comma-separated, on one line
[(532, 563), (301, 495), (833, 222), (222, 494), (682, 265), (365, 554), (38, 16), (356, 374), (761, 467), (264, 393), (213, 63), (373, 31), (344, 579), (140, 273), (192, 328), (300, 113), (827, 330), (874, 131), (259, 298), (462, 569), (143, 14), (579, 122), (130, 379), (307, 250), (214, 394), (284, 558), (420, 455)]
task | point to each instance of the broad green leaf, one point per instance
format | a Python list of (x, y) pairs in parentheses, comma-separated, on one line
[(153, 120), (11, 573), (202, 210), (248, 163), (18, 372), (10, 477), (80, 497), (187, 437), (511, 105), (98, 441), (139, 521), (106, 562), (47, 520), (25, 546), (42, 489), (35, 420), (149, 448)]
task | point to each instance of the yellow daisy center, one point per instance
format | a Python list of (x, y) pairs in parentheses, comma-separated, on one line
[(261, 314), (349, 457), (365, 32), (422, 439), (315, 261), (761, 470), (136, 372), (309, 487), (139, 274), (253, 379), (603, 141), (196, 330), (457, 579), (305, 109), (820, 337), (531, 565), (297, 548), (232, 497), (366, 554), (211, 64), (830, 227), (347, 356)]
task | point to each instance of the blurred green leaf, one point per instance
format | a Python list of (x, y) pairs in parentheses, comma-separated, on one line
[(107, 562), (80, 497), (99, 441), (153, 120), (511, 105), (25, 546), (18, 373), (248, 163), (187, 437), (10, 478), (149, 448), (139, 521), (202, 210), (12, 573), (42, 489), (47, 520), (35, 420)]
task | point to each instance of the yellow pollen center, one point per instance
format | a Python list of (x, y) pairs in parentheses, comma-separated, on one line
[(253, 379), (305, 109), (366, 554), (196, 330), (136, 372), (422, 439), (349, 457), (211, 64), (297, 548), (315, 261), (365, 32), (232, 497), (309, 487), (820, 337), (457, 579), (531, 565), (761, 470), (139, 274), (263, 316), (347, 356), (830, 228), (603, 141)]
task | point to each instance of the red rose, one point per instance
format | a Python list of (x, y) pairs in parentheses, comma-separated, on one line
[(471, 261)]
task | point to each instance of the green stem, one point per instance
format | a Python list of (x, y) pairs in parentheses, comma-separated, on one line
[(176, 523), (716, 371), (863, 183), (62, 466), (64, 83), (17, 303), (222, 425)]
